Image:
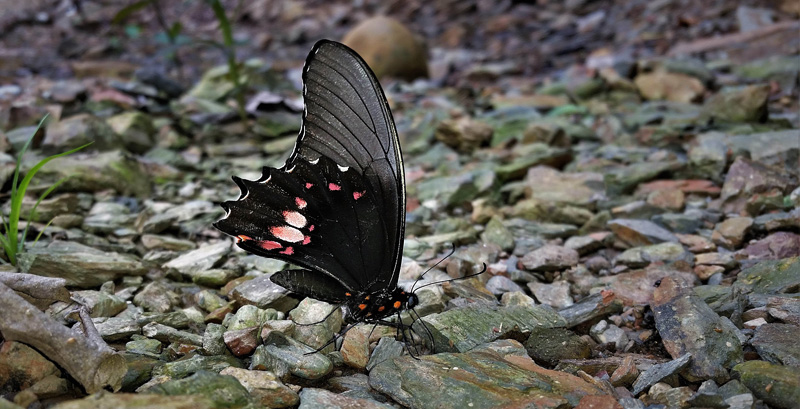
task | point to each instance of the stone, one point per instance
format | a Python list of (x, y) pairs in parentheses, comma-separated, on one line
[(389, 48), (668, 199), (638, 257), (498, 234), (731, 232), (463, 134), (747, 104), (82, 266), (106, 400), (135, 130), (687, 325), (222, 390), (551, 345), (530, 155), (695, 243), (156, 297), (635, 232), (747, 182), (776, 385), (99, 172), (582, 189), (100, 304), (658, 372), (777, 343), (264, 387), (21, 367), (200, 259), (606, 333), (263, 293), (556, 294), (321, 398), (663, 85), (465, 328), (283, 355), (550, 258), (78, 130), (474, 375), (776, 246), (770, 277), (499, 285)]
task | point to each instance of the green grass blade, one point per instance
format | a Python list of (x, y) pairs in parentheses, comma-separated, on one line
[(128, 10), (38, 236), (17, 191), (33, 210)]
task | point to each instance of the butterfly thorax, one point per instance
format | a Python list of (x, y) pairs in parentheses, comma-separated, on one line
[(375, 307)]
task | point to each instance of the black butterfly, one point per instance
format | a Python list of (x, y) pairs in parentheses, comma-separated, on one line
[(337, 207)]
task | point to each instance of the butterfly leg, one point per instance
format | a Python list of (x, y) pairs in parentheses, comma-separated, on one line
[(332, 340), (430, 334)]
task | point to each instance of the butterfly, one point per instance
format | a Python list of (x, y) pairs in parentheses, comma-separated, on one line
[(337, 206)]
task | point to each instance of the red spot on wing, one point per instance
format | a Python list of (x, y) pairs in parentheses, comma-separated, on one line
[(294, 218), (269, 245), (242, 237), (357, 195), (309, 185), (306, 240), (287, 233), (289, 251), (300, 203), (311, 228), (334, 186), (396, 305)]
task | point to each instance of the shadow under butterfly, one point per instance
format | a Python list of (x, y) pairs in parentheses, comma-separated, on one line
[(337, 206)]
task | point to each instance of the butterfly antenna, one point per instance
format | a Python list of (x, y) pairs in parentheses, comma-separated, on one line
[(456, 279), (452, 251)]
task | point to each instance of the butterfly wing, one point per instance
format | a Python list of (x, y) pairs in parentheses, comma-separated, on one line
[(337, 207)]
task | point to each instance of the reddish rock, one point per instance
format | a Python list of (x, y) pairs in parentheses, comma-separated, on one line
[(242, 342), (696, 244), (550, 258), (704, 272), (598, 402), (774, 247), (669, 199), (635, 232), (626, 373), (687, 186)]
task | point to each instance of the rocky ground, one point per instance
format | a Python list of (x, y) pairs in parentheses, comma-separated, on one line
[(628, 172)]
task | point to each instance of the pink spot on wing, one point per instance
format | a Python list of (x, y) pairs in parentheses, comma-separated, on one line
[(300, 203), (334, 186), (309, 185), (357, 195), (311, 228), (294, 219), (269, 245), (287, 233), (289, 251), (306, 240)]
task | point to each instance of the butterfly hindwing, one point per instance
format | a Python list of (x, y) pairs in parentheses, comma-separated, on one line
[(312, 284)]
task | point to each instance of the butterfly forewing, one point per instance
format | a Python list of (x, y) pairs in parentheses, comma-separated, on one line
[(337, 207)]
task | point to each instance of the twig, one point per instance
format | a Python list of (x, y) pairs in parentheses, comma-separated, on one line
[(87, 358)]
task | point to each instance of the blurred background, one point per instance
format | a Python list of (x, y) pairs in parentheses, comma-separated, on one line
[(463, 40)]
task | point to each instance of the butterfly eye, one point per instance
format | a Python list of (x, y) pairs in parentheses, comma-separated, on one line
[(412, 301)]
